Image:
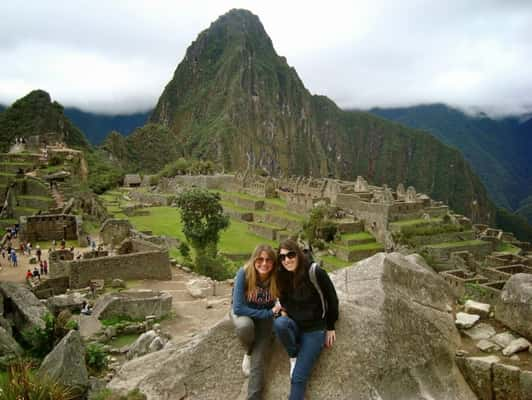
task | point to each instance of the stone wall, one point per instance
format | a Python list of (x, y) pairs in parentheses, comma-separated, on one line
[(157, 199), (224, 182), (153, 263), (50, 227), (374, 215)]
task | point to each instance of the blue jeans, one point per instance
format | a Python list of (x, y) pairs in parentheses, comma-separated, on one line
[(306, 346)]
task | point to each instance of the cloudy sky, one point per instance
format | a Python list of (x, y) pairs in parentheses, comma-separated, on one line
[(117, 56)]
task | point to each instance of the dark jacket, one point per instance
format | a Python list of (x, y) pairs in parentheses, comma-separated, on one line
[(303, 303)]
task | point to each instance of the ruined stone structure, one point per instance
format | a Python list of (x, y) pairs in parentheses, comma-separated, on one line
[(143, 260), (50, 227), (114, 231), (132, 180)]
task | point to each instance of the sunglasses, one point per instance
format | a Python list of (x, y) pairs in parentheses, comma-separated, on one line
[(290, 255)]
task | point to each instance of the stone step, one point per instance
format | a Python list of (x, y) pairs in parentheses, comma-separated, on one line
[(356, 238), (357, 252)]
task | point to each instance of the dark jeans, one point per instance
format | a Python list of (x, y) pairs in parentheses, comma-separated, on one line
[(255, 335), (306, 346)]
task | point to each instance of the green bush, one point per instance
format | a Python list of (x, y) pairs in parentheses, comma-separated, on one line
[(184, 249), (96, 357), (319, 227)]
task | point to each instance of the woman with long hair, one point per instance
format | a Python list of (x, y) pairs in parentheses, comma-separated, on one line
[(309, 313), (254, 305)]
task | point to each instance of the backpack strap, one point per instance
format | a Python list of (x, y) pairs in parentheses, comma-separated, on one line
[(314, 280)]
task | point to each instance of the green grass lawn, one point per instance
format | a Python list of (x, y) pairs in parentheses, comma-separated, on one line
[(167, 221)]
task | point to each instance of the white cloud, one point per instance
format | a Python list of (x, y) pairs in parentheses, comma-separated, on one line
[(118, 56)]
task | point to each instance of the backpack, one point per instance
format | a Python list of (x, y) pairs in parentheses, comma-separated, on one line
[(314, 281)]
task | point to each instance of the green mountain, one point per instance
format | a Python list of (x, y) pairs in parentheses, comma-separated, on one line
[(234, 100), (148, 149), (498, 150), (36, 114)]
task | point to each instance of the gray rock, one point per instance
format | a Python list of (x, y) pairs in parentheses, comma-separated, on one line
[(487, 346), (477, 372), (395, 340), (475, 307), (141, 346), (514, 307), (156, 345), (26, 311), (503, 339), (516, 346), (72, 301), (66, 363), (199, 288), (465, 320), (8, 345), (480, 331), (506, 382)]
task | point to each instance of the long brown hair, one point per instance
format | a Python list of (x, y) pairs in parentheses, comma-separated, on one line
[(287, 280), (251, 272)]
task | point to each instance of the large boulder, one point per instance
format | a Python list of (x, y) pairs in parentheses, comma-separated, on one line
[(66, 363), (25, 310), (71, 302), (8, 345), (514, 307), (396, 340), (146, 343)]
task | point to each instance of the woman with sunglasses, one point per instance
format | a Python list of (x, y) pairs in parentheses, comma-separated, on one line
[(254, 305), (308, 314)]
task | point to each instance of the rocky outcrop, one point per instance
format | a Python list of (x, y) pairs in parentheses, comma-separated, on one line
[(514, 307), (25, 310), (8, 345), (72, 302), (65, 364), (146, 343), (396, 340)]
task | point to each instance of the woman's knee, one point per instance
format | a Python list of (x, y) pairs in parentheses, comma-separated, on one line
[(282, 324), (245, 329)]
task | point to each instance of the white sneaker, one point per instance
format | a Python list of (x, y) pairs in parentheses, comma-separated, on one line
[(246, 364), (292, 365)]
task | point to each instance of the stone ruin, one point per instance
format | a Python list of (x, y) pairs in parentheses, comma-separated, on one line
[(50, 227)]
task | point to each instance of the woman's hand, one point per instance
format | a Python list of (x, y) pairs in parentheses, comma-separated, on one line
[(330, 338), (277, 308)]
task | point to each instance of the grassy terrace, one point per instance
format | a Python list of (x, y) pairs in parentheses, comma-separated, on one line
[(508, 248), (275, 202), (364, 246), (413, 222), (457, 244), (331, 263), (26, 197), (357, 236)]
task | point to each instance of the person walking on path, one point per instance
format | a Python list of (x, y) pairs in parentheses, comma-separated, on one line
[(252, 312), (309, 312), (14, 260)]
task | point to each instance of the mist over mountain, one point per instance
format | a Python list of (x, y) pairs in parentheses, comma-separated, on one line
[(97, 126), (234, 100), (498, 150)]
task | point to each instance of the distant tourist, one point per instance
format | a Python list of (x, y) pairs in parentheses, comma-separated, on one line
[(252, 313), (36, 273), (309, 312), (29, 275), (14, 259), (45, 267), (38, 252), (41, 267)]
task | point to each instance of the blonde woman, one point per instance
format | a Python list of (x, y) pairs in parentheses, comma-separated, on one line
[(254, 305)]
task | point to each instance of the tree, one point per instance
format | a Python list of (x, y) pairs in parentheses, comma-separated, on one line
[(203, 219)]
